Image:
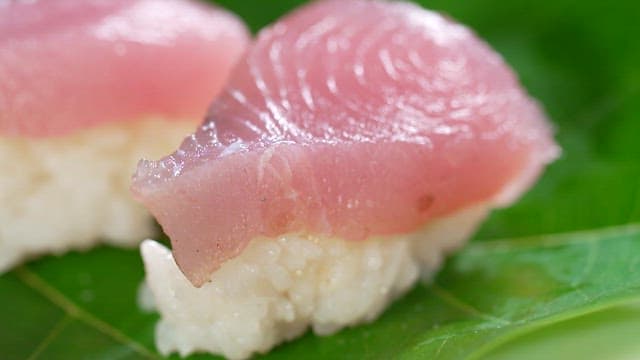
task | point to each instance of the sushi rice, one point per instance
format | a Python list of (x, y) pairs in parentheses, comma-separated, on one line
[(71, 192), (279, 287)]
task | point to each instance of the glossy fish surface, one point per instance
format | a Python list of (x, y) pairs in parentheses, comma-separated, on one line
[(349, 119), (66, 65)]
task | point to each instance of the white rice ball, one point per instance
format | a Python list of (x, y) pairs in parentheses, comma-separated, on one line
[(69, 192), (277, 288)]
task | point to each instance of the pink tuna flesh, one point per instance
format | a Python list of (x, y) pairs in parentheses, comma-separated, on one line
[(67, 64), (349, 119)]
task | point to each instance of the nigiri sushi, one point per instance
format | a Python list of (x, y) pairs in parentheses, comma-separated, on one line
[(356, 144), (86, 89)]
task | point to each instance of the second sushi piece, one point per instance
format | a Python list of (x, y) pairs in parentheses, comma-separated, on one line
[(357, 143), (86, 89)]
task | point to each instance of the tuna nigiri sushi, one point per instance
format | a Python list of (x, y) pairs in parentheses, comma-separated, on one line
[(356, 144), (86, 89)]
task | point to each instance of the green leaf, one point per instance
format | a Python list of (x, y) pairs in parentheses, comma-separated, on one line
[(560, 281), (487, 294), (610, 334)]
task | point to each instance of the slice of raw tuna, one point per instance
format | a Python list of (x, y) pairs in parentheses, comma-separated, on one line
[(67, 64), (347, 119)]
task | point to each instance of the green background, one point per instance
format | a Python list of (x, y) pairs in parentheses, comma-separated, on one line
[(556, 276)]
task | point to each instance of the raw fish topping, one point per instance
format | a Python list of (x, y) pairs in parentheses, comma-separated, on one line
[(67, 65), (350, 119)]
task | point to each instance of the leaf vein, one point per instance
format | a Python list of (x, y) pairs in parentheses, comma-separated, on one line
[(457, 303), (555, 240), (48, 339), (37, 283), (590, 262)]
